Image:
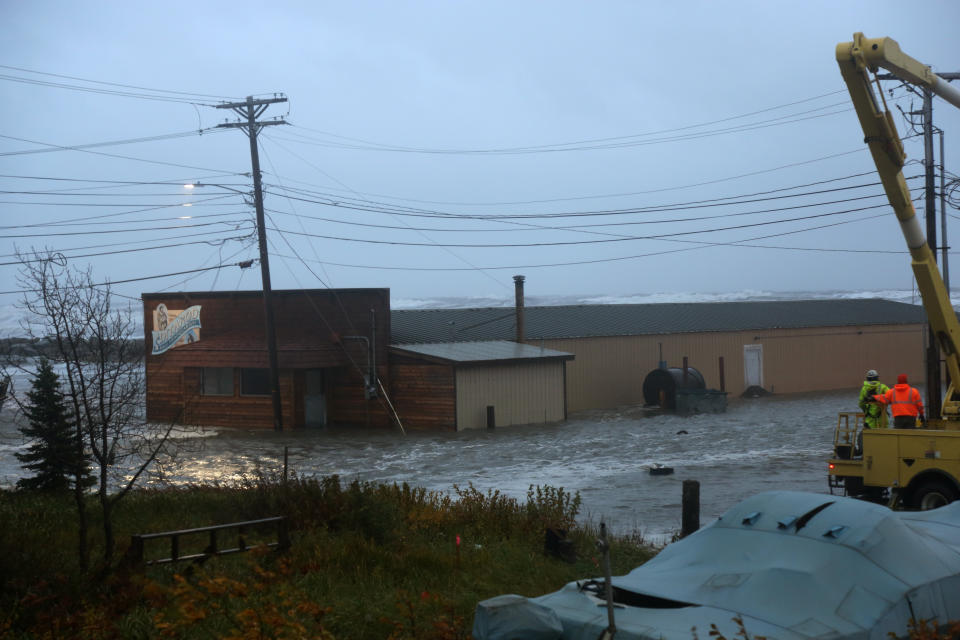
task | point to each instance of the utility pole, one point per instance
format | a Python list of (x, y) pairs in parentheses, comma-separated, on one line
[(249, 111), (932, 353), (934, 395)]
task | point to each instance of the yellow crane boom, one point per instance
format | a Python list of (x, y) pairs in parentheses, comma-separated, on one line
[(857, 60)]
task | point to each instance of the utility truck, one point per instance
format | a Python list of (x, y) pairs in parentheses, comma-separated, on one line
[(913, 468)]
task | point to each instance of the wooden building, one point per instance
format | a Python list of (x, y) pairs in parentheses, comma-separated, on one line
[(473, 385), (782, 346), (207, 363)]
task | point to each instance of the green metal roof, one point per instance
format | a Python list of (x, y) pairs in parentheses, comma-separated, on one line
[(476, 352), (410, 326)]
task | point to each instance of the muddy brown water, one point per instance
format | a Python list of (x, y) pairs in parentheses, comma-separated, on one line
[(775, 442)]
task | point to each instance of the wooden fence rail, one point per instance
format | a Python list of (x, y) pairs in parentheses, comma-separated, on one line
[(138, 541)]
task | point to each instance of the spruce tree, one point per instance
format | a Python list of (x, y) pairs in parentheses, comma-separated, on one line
[(53, 455)]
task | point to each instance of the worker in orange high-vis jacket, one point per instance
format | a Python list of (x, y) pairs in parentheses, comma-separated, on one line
[(905, 404)]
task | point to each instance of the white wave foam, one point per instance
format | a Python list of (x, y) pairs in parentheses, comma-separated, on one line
[(181, 432), (464, 302), (658, 297)]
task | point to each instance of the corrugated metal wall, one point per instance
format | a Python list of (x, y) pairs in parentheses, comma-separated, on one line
[(527, 393), (608, 372)]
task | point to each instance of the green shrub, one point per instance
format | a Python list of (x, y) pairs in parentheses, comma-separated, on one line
[(368, 561)]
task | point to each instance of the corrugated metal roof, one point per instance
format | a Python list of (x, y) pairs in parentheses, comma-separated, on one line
[(462, 325), (489, 351)]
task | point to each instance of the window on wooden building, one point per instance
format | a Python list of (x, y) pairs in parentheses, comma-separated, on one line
[(255, 382), (217, 381)]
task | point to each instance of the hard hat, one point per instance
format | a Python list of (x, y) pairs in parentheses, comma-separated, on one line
[(872, 374)]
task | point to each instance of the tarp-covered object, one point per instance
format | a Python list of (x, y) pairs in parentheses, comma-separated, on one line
[(789, 564), (513, 616)]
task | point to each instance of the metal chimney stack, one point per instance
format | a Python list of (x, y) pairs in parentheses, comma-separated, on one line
[(518, 287)]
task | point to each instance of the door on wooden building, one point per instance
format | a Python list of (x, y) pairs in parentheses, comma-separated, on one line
[(753, 365), (314, 400)]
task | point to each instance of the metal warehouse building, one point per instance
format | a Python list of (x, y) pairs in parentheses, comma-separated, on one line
[(782, 346)]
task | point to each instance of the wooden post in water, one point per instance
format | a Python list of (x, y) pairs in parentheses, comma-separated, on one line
[(723, 385), (690, 520), (491, 417)]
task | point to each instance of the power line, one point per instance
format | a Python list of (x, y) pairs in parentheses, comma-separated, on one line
[(115, 84), (336, 296), (243, 265), (614, 138), (109, 143), (115, 184), (97, 90), (197, 275), (556, 148), (65, 193), (858, 150), (117, 155), (615, 195), (594, 213), (205, 202), (577, 242), (119, 251), (702, 244), (129, 242), (458, 257), (122, 213), (742, 198), (581, 226), (87, 233), (302, 228), (83, 222)]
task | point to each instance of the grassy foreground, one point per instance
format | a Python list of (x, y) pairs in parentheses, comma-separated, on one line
[(367, 561)]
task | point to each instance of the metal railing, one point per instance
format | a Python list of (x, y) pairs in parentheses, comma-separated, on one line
[(845, 436), (138, 541)]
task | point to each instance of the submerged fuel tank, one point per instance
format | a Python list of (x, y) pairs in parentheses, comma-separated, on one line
[(660, 387)]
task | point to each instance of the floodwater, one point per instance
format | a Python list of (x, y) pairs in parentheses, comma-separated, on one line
[(774, 442)]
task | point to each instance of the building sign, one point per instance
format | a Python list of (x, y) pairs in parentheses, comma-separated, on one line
[(174, 327)]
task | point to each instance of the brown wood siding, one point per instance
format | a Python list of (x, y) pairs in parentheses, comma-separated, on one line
[(238, 411), (313, 331), (609, 371), (165, 397), (346, 404), (424, 395)]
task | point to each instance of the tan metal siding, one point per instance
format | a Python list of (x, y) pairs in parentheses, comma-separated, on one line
[(528, 393), (609, 371)]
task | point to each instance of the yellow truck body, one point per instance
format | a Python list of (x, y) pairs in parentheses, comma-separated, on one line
[(915, 468)]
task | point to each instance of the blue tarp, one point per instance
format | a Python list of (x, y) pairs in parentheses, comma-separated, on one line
[(785, 564)]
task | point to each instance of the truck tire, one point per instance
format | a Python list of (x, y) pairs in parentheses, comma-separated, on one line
[(931, 494)]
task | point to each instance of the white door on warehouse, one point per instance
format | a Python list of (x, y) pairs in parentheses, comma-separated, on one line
[(753, 365)]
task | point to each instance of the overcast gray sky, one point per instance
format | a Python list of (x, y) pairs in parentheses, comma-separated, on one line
[(412, 123)]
